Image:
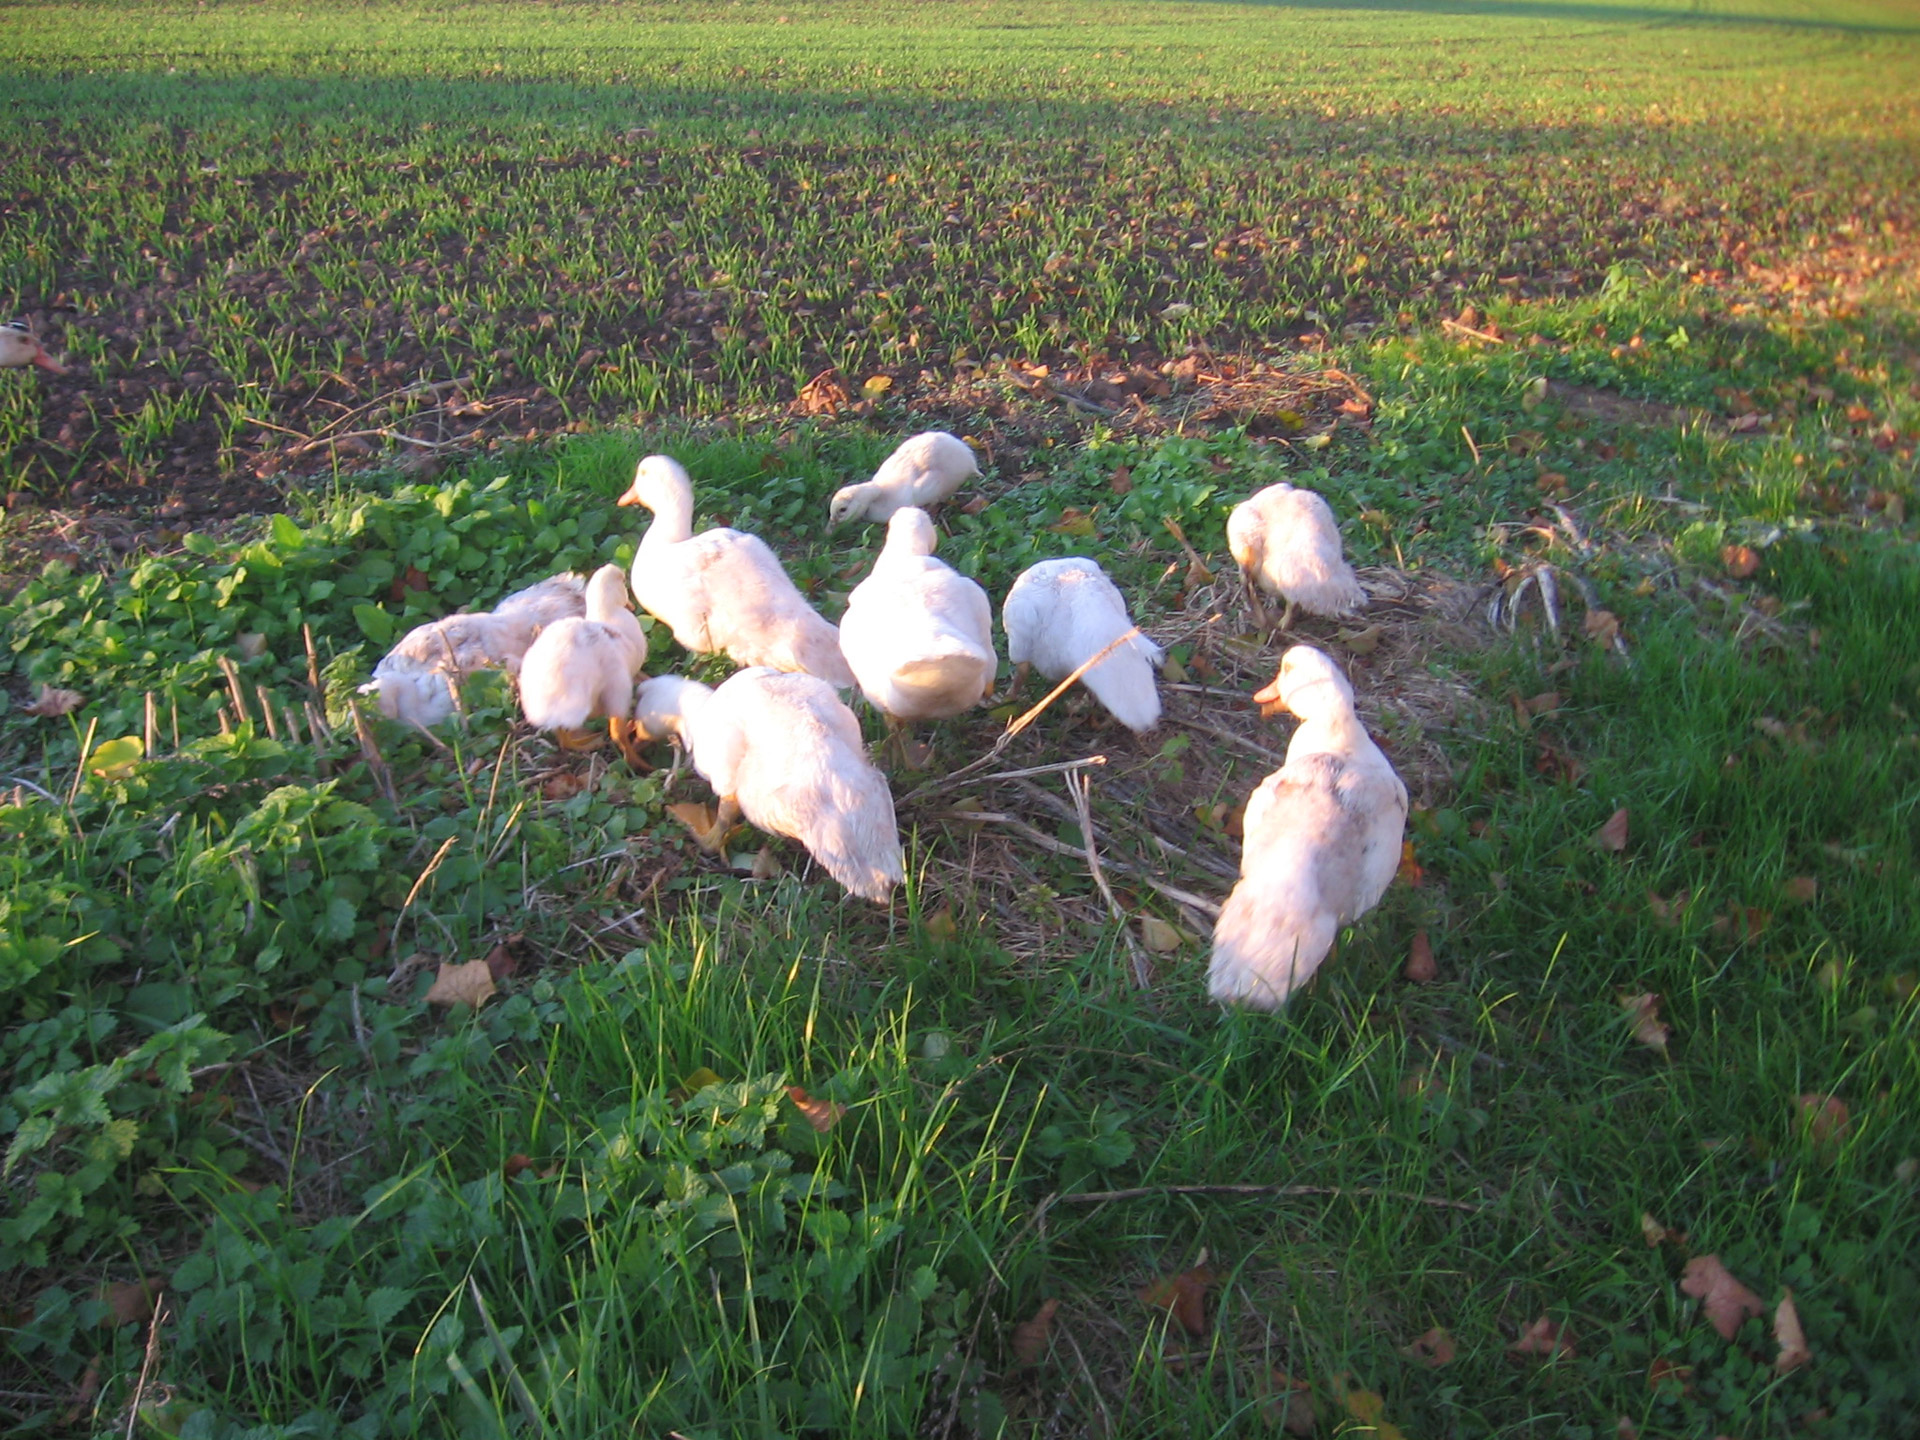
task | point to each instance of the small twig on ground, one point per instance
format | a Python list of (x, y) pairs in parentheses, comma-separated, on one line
[(1245, 744), (154, 1322), (1074, 852), (1142, 967), (1471, 446), (1459, 329)]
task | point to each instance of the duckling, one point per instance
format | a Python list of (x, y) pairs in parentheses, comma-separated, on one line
[(923, 471), (783, 750), (20, 346), (723, 590), (1322, 842), (1059, 615), (415, 680), (1286, 541), (581, 667), (917, 633)]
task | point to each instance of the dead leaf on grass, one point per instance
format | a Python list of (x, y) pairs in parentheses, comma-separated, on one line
[(1741, 561), (1409, 869), (1362, 642), (1031, 1337), (940, 924), (514, 1164), (1289, 1405), (1370, 1410), (1158, 936), (1602, 627), (1121, 481), (1073, 521), (1801, 889), (1546, 1336), (1421, 968), (822, 1115), (1668, 1378), (500, 961), (1667, 912), (697, 817), (1657, 1234), (1433, 1349), (1612, 836), (1725, 1300), (1743, 923), (1185, 1295), (1792, 1339), (51, 702), (468, 984), (130, 1302), (1825, 1118), (1643, 1014), (563, 785)]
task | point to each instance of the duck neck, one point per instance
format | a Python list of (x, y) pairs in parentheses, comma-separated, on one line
[(672, 517)]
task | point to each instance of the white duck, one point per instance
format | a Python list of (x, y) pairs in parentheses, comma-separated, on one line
[(415, 680), (917, 633), (1287, 541), (20, 346), (723, 590), (1322, 842), (584, 666), (923, 471), (1059, 615), (784, 751)]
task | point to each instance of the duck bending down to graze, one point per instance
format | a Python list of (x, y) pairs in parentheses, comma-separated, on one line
[(723, 590), (1322, 842), (20, 346), (917, 633), (1286, 541), (1059, 615), (784, 751), (583, 667), (415, 681), (923, 471)]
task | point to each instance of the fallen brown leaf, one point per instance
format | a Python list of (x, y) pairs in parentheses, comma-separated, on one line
[(130, 1302), (501, 962), (1612, 836), (1433, 1349), (1289, 1405), (51, 702), (1421, 968), (1031, 1337), (940, 925), (1544, 1337), (1370, 1410), (1410, 870), (1625, 1429), (1726, 1301), (83, 1393), (563, 785), (468, 984), (1792, 1339), (1602, 627), (514, 1164), (1741, 561), (1825, 1117), (1362, 642), (1185, 1295), (1643, 1013), (1667, 912), (1801, 889), (1655, 1234), (822, 1115), (1121, 480), (1743, 923)]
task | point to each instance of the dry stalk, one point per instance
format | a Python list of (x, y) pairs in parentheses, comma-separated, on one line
[(1142, 967)]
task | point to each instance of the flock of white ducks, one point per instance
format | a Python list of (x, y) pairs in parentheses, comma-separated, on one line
[(781, 749)]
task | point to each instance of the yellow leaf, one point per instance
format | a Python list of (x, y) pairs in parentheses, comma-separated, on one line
[(1073, 521), (1369, 1409), (1158, 936), (874, 386), (939, 925), (1362, 642), (698, 1080), (116, 759), (468, 984)]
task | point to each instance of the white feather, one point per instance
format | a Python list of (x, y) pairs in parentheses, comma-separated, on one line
[(788, 751), (1287, 541), (923, 471), (1060, 614), (582, 667), (1322, 842), (917, 634), (723, 590)]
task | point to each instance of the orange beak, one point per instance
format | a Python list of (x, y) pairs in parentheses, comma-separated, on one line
[(47, 362), (628, 499), (1270, 695)]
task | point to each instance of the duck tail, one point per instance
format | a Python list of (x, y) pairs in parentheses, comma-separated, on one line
[(1124, 684), (1333, 592), (858, 840), (1264, 948)]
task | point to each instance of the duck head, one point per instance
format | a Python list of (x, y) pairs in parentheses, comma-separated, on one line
[(657, 480), (607, 593), (665, 705), (847, 501), (910, 532), (1309, 684), (20, 346)]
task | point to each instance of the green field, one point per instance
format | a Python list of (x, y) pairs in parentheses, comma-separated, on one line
[(369, 311)]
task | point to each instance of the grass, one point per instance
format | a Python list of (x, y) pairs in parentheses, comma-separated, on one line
[(593, 1206)]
